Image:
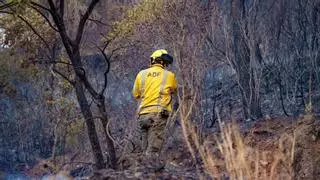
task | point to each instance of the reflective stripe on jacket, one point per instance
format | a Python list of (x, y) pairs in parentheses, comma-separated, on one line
[(153, 88)]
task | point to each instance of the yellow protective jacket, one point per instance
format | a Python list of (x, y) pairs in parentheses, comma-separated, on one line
[(153, 87)]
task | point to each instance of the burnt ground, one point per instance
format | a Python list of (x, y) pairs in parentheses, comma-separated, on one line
[(272, 135), (266, 136)]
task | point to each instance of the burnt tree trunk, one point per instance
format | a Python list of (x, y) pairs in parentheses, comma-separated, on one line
[(105, 121), (92, 133), (81, 82), (244, 62)]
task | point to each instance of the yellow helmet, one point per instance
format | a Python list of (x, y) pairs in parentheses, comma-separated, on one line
[(163, 55)]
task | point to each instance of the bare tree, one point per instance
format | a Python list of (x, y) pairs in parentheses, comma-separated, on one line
[(54, 14)]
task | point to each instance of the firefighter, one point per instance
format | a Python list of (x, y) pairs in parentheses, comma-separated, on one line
[(153, 88)]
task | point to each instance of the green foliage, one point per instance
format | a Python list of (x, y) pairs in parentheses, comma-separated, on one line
[(68, 126), (22, 45), (20, 37), (13, 68), (145, 12), (63, 103), (18, 5), (20, 2), (73, 130)]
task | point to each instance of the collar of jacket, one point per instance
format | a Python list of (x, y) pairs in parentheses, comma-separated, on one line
[(157, 65)]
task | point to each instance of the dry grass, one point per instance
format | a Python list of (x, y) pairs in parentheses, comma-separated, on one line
[(227, 154), (244, 162)]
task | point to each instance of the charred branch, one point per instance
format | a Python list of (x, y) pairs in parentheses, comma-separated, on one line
[(72, 82), (107, 70), (7, 5), (98, 22), (52, 62), (44, 16), (83, 21), (39, 6), (61, 9), (35, 31), (61, 27), (81, 73)]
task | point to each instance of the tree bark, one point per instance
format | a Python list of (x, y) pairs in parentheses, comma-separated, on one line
[(105, 121), (92, 133), (72, 47)]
